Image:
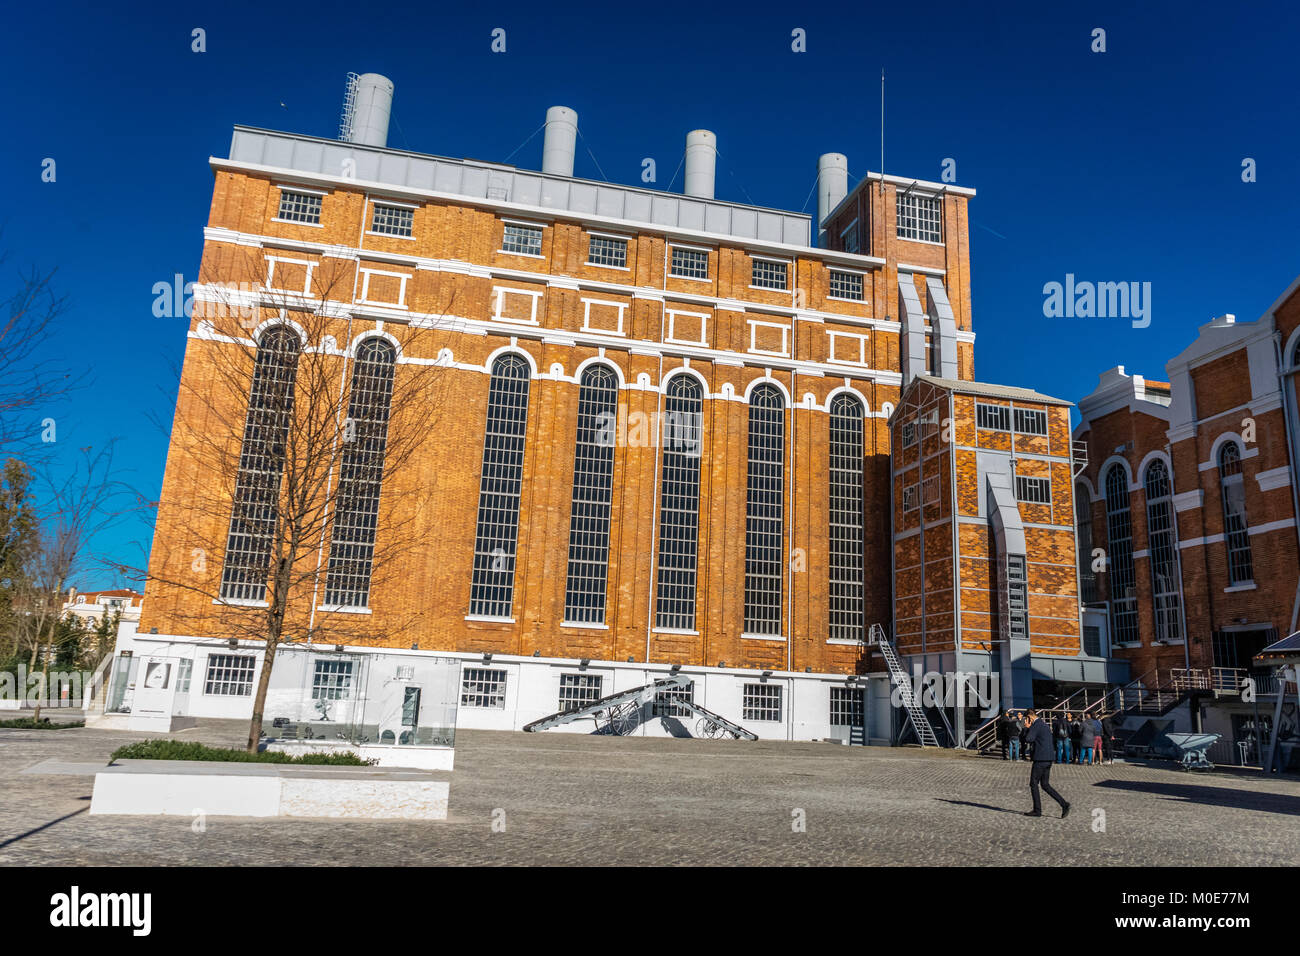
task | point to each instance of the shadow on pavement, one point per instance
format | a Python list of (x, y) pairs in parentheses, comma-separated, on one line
[(1211, 796), (978, 806), (43, 826)]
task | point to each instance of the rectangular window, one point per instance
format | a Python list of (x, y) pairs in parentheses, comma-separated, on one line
[(930, 490), (522, 240), (230, 675), (299, 207), (606, 251), (393, 220), (183, 675), (332, 680), (483, 687), (909, 434), (769, 274), (668, 702), (909, 498), (761, 702), (848, 709), (849, 241), (1034, 491), (579, 690), (992, 417), (1031, 421), (918, 217), (846, 285), (1092, 640), (690, 263)]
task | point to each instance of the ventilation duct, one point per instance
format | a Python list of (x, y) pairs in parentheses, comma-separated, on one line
[(560, 140)]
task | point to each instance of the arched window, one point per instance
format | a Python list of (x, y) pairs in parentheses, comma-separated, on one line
[(255, 511), (764, 512), (1119, 537), (1162, 546), (1232, 488), (1083, 542), (361, 474), (679, 504), (846, 513), (593, 487), (492, 586)]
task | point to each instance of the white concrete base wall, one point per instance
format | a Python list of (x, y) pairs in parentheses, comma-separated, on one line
[(411, 758), (533, 688), (197, 788)]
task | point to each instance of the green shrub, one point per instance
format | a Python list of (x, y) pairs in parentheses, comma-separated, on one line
[(27, 723), (189, 750)]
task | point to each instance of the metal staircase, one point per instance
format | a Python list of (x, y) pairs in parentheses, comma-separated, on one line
[(898, 677)]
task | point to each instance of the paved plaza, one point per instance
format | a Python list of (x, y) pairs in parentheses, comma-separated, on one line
[(575, 799)]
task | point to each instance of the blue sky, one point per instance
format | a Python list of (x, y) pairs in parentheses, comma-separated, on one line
[(1116, 166)]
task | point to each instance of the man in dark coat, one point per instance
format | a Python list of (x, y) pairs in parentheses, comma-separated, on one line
[(1038, 737), (1108, 738)]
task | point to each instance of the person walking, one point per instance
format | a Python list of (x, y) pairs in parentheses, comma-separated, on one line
[(1013, 735), (1039, 739), (1076, 736), (1061, 731)]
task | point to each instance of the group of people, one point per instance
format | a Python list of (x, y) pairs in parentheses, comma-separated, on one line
[(1076, 738)]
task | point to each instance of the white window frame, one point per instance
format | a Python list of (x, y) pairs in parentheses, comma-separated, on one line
[(522, 224), (306, 192), (627, 243), (758, 698), (499, 293), (365, 299), (754, 325), (671, 333), (707, 277), (859, 337), (830, 272), (917, 195), (483, 683), (226, 677), (374, 208), (586, 316), (753, 260), (270, 274)]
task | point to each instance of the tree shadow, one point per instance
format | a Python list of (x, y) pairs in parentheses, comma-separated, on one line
[(1211, 796), (44, 826)]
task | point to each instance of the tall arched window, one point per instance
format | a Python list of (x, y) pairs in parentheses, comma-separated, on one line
[(593, 487), (846, 512), (255, 511), (361, 474), (1119, 536), (1232, 488), (1083, 542), (679, 504), (764, 512), (1162, 545), (492, 586)]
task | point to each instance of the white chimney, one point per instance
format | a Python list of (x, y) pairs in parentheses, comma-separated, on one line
[(701, 161), (832, 186), (373, 105), (561, 136)]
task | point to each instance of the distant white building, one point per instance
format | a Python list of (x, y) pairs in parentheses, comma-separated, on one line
[(93, 606)]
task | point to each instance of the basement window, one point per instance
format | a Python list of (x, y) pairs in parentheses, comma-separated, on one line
[(299, 207)]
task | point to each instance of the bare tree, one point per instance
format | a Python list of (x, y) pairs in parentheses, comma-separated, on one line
[(29, 378), (290, 415)]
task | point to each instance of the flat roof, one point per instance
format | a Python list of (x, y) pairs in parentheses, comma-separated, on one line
[(476, 179)]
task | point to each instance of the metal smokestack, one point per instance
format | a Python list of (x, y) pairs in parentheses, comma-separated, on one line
[(372, 105), (561, 137), (832, 187), (701, 162)]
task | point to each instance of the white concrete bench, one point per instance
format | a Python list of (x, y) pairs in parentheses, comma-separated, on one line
[(211, 788)]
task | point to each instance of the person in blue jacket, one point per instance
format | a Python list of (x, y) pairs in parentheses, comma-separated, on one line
[(1038, 739)]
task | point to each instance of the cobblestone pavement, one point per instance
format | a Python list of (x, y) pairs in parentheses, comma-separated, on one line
[(576, 799)]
